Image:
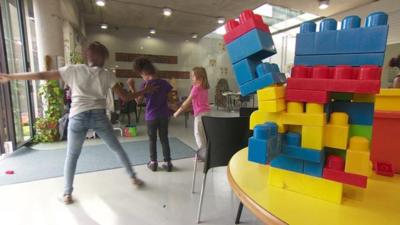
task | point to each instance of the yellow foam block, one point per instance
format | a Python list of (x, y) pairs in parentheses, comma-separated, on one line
[(337, 131), (308, 185), (271, 93), (304, 119), (388, 100), (357, 157), (276, 105), (363, 98), (259, 117), (312, 137)]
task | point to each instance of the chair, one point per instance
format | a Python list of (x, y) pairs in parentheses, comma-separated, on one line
[(246, 111), (128, 108), (225, 137)]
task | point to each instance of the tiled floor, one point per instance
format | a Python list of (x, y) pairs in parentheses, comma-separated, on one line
[(107, 197)]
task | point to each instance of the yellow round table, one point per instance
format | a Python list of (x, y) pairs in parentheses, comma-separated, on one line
[(379, 204)]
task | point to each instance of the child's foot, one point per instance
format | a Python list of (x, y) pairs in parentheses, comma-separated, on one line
[(137, 182), (167, 166), (66, 199), (153, 165)]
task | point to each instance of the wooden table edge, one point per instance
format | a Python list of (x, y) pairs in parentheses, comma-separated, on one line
[(261, 213)]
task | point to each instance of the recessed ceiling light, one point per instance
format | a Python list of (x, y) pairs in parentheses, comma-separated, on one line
[(152, 31), (195, 35), (104, 26), (221, 20), (167, 11), (101, 3), (323, 4)]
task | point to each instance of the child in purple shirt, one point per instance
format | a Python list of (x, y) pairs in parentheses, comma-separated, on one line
[(157, 112)]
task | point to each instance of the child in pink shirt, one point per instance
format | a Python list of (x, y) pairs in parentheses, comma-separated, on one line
[(198, 98)]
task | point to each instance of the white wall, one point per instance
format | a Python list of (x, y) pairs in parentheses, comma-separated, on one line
[(190, 53)]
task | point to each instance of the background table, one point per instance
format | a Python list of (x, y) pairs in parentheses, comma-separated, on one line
[(378, 204)]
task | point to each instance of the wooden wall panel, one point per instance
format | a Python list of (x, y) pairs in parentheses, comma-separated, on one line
[(130, 57), (125, 73)]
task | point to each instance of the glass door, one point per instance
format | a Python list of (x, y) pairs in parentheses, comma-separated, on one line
[(13, 31)]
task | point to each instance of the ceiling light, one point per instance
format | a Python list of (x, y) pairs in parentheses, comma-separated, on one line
[(152, 31), (195, 35), (104, 26), (323, 4), (101, 3), (221, 20), (167, 11)]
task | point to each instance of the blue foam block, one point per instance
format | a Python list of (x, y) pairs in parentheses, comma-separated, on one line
[(287, 163), (264, 144), (341, 59), (262, 82), (305, 43), (291, 148), (302, 153), (373, 39), (348, 41), (255, 44), (313, 168), (245, 70), (257, 150), (361, 113), (325, 42)]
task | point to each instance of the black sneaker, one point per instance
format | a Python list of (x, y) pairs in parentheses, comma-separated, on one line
[(168, 166), (152, 165)]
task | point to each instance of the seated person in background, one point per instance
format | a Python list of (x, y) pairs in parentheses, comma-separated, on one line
[(128, 107)]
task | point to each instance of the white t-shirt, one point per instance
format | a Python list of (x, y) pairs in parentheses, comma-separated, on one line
[(89, 87)]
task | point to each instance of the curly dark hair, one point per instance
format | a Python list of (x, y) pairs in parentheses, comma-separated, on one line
[(98, 48), (144, 65)]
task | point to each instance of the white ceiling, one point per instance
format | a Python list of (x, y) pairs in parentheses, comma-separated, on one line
[(193, 16), (189, 16), (311, 6)]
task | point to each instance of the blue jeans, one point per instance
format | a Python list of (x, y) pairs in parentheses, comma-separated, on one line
[(77, 128)]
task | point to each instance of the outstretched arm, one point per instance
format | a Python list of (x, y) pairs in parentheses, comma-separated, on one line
[(185, 106), (126, 96), (47, 75)]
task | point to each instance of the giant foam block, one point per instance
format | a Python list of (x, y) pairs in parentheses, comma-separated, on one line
[(255, 44)]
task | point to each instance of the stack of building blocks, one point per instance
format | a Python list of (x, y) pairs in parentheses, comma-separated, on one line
[(384, 147), (248, 42), (322, 128)]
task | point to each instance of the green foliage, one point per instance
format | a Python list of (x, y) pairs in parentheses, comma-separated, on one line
[(47, 127), (76, 58)]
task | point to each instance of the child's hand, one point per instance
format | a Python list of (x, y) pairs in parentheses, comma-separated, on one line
[(150, 88), (176, 114), (4, 78)]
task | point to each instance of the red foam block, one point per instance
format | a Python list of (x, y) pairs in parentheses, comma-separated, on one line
[(384, 169), (385, 132), (321, 97), (332, 85), (248, 22), (345, 178)]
